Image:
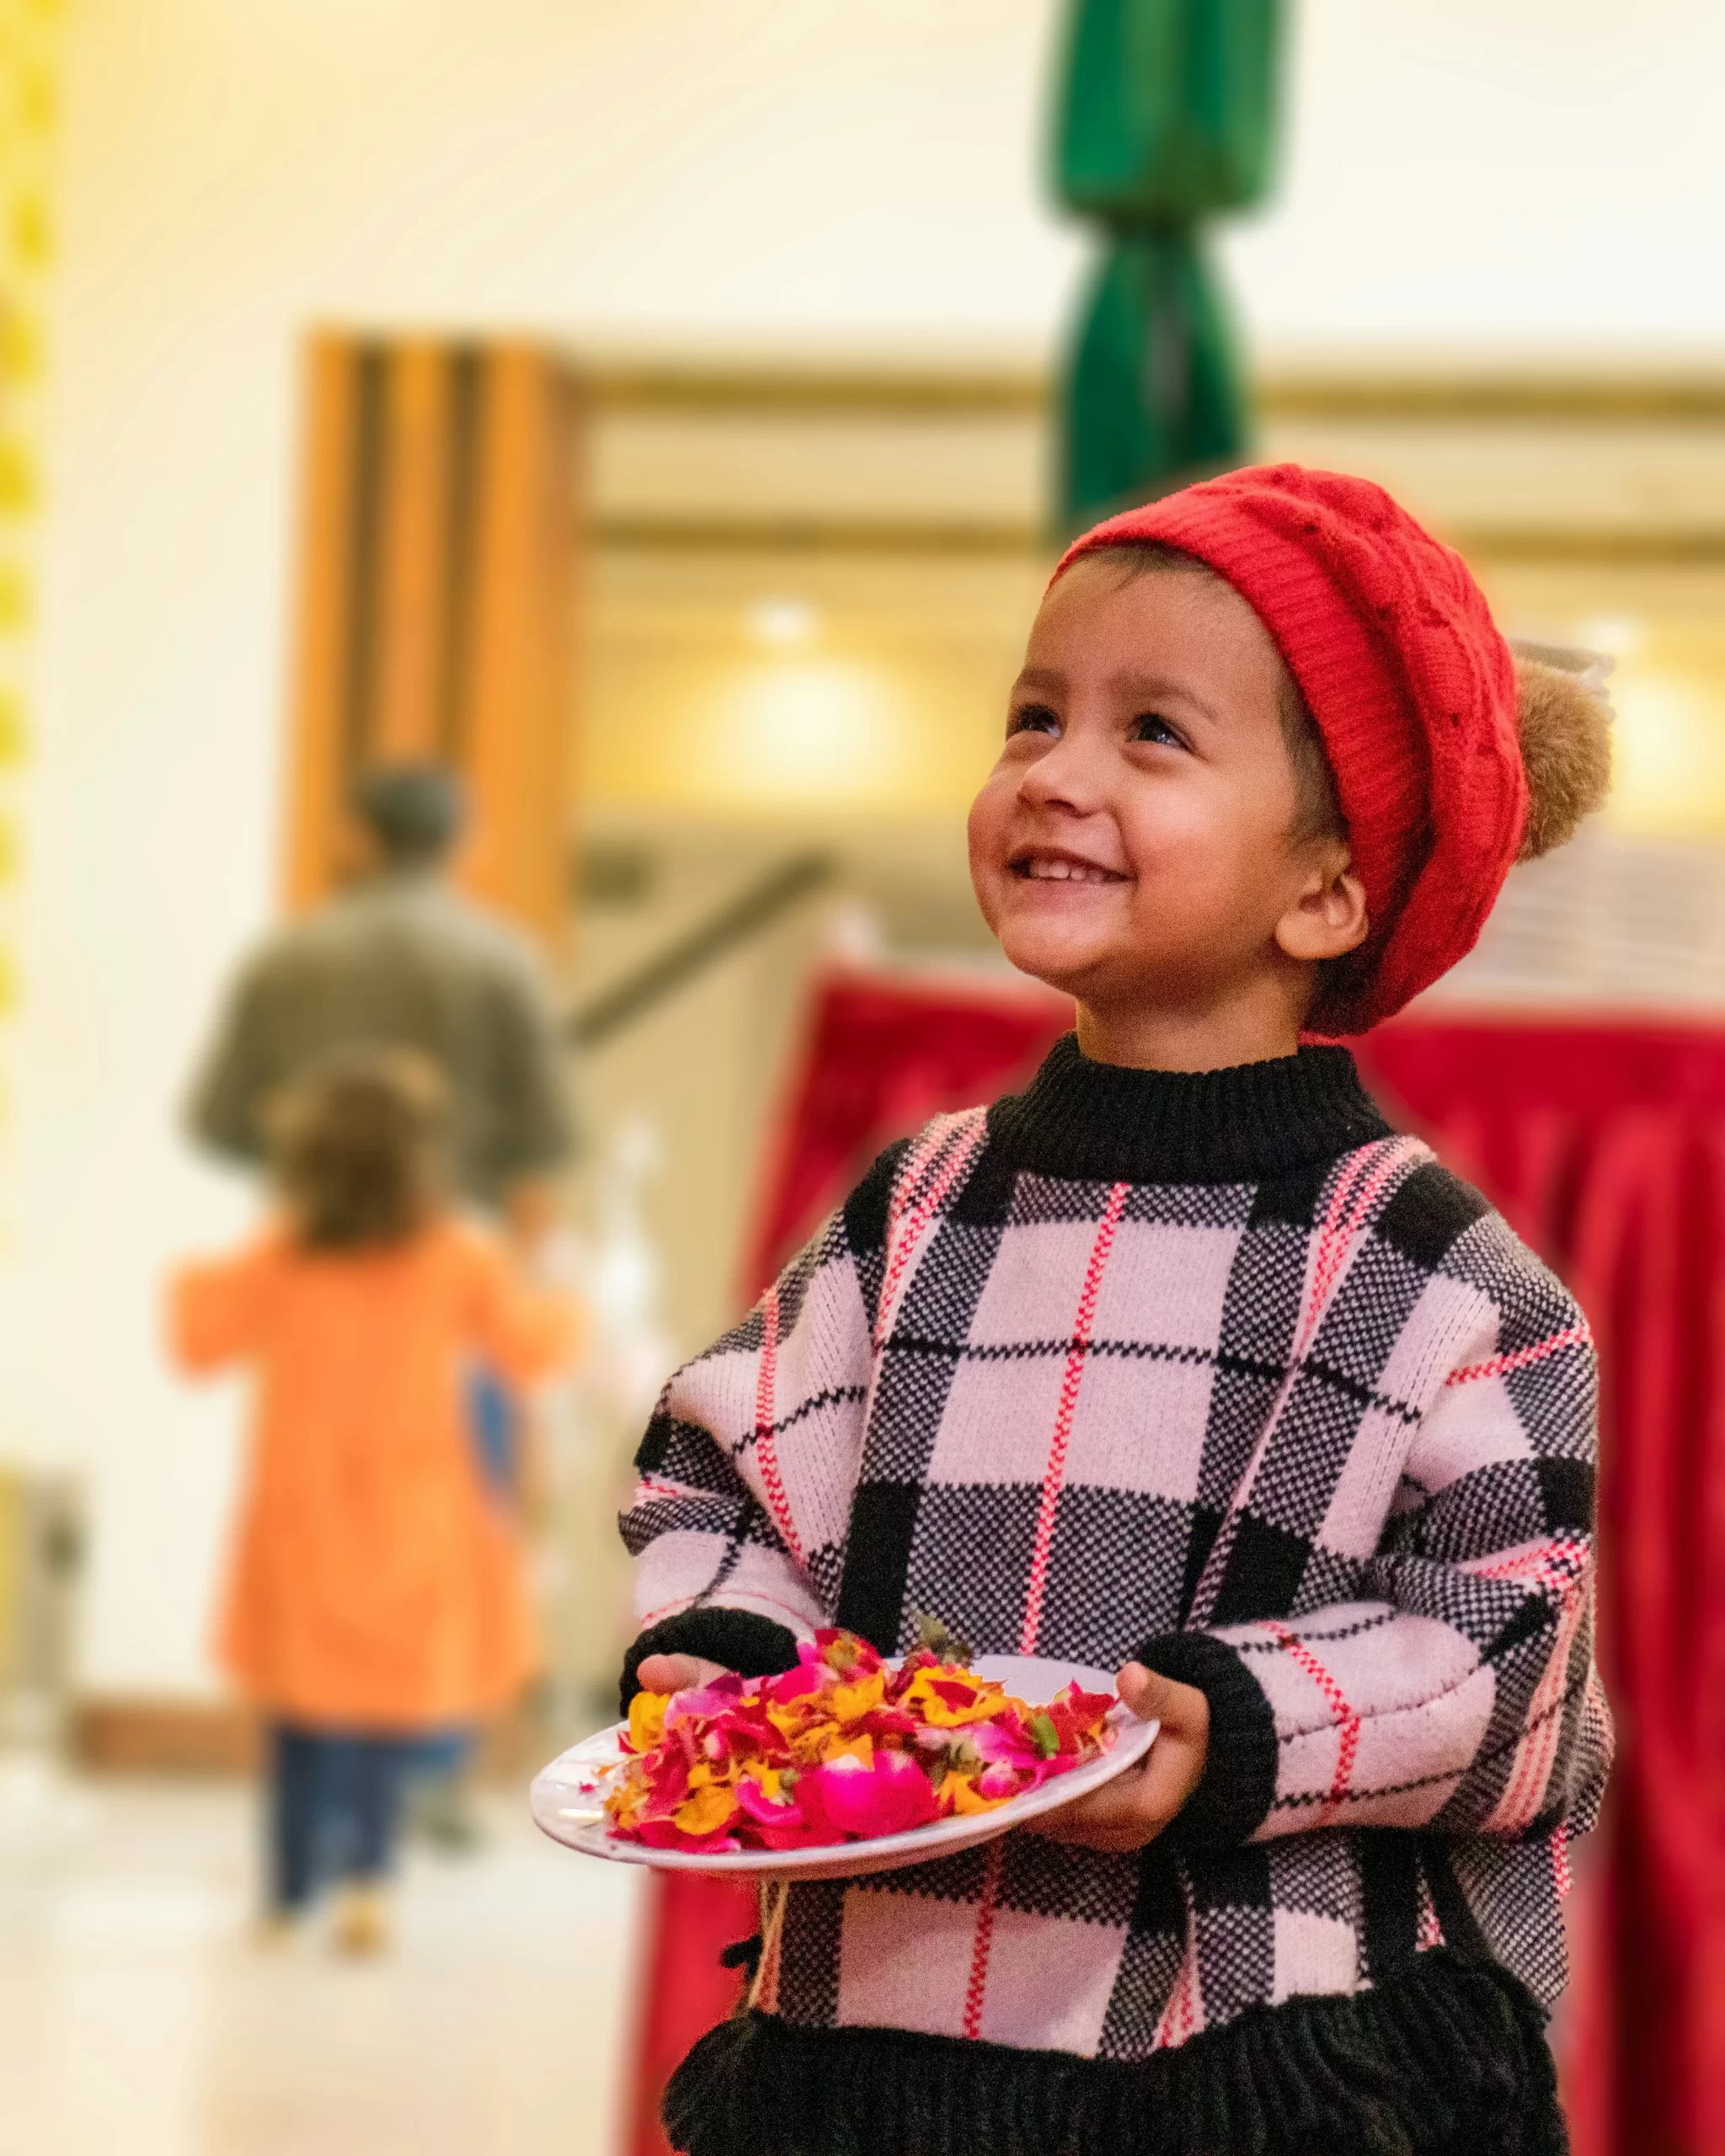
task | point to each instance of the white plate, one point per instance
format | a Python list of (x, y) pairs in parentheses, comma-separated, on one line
[(568, 1797)]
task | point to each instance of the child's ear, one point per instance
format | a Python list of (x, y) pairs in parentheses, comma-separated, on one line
[(1328, 916)]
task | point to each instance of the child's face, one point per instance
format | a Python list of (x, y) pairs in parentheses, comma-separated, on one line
[(1134, 845)]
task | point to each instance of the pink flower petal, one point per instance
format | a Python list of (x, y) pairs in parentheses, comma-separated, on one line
[(713, 1699), (888, 1798), (1003, 1740), (766, 1810)]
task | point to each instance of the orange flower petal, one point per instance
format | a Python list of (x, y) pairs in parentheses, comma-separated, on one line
[(706, 1811), (967, 1800)]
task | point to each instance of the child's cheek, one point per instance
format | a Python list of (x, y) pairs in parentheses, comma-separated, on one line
[(987, 827), (1171, 832)]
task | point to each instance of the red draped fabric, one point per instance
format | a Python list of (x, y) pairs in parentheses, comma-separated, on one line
[(1605, 1145), (881, 1056)]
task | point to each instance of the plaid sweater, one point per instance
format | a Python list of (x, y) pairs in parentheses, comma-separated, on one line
[(1215, 1370)]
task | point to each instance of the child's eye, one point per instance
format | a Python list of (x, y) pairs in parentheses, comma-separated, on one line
[(1151, 726), (1031, 719)]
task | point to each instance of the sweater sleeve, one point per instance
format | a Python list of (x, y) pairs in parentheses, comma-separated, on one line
[(525, 1327), (1457, 1693), (750, 1462), (217, 1308)]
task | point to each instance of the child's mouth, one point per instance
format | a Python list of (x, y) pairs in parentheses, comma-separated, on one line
[(1061, 868)]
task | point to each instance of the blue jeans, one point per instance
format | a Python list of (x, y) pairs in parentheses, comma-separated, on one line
[(334, 1797), (494, 1424)]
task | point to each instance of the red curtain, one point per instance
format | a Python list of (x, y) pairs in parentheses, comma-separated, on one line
[(881, 1056), (1605, 1145)]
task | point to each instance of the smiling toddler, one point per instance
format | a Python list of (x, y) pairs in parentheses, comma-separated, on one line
[(1181, 1363)]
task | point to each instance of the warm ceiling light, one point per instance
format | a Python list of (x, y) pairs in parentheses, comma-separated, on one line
[(782, 622), (1619, 636)]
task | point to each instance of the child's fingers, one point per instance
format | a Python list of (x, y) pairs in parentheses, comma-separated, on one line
[(1135, 1807), (1106, 1816), (676, 1672), (1127, 1812), (1181, 1708)]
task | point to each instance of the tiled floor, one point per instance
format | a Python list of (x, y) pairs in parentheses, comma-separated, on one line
[(136, 2019)]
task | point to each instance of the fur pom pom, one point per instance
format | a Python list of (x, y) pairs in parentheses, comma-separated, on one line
[(1565, 726)]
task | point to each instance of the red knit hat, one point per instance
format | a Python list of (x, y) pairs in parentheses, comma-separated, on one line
[(1412, 688)]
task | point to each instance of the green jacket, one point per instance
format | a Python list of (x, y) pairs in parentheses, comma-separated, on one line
[(403, 960)]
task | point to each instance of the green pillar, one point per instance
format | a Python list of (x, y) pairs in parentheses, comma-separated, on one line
[(1166, 117)]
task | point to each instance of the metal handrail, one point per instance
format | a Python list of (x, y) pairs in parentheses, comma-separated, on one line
[(614, 1008)]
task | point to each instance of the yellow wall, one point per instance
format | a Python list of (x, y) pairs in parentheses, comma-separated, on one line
[(767, 685), (1665, 627)]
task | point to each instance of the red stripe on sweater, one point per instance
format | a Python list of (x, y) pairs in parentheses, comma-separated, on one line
[(1332, 1244), (1336, 1700), (1056, 1473), (649, 1487), (766, 1448), (1183, 2011), (978, 1985), (1574, 1335), (916, 1216), (1536, 1754), (1337, 1239), (1357, 1189), (1558, 1565)]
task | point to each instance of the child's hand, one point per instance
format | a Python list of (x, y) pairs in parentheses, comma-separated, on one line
[(681, 1673), (1134, 1808)]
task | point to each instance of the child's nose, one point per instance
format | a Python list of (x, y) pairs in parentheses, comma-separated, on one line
[(1069, 774)]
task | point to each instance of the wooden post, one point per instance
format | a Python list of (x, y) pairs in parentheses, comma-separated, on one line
[(436, 607), (415, 550), (316, 773), (518, 698)]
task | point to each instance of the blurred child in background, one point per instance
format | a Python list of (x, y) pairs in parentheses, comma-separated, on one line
[(377, 1593)]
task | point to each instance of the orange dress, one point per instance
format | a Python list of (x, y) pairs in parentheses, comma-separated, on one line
[(373, 1582)]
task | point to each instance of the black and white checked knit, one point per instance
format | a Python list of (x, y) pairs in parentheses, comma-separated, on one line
[(1216, 1371)]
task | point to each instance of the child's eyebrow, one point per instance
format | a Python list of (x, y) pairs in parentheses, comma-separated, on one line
[(1153, 688), (1040, 677)]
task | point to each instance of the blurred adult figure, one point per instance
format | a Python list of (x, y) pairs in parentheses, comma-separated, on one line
[(400, 958)]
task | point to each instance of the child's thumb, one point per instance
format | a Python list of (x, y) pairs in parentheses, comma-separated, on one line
[(1153, 1697), (676, 1673)]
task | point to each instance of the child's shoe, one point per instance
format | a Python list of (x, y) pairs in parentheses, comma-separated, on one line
[(361, 1919)]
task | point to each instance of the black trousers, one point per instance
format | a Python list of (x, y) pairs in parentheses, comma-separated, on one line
[(335, 1799)]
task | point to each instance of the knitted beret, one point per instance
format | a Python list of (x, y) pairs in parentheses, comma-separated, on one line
[(1411, 686)]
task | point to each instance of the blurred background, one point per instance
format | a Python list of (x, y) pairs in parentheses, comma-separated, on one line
[(665, 415)]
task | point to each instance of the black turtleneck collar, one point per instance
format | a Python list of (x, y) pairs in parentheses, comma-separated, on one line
[(1104, 1121)]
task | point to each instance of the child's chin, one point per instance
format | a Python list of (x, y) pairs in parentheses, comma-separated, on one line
[(1059, 960)]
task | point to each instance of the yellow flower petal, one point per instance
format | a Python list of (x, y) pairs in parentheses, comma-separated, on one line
[(851, 1702), (985, 1702), (647, 1719)]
